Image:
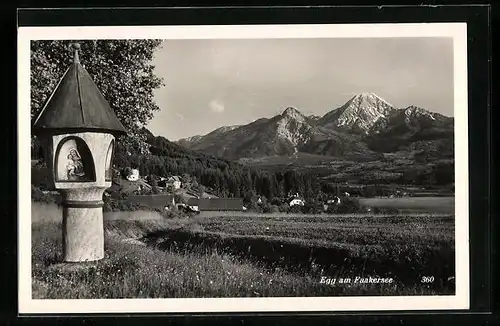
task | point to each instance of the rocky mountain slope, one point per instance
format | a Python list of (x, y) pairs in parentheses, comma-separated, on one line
[(365, 125), (359, 114), (410, 128), (213, 136)]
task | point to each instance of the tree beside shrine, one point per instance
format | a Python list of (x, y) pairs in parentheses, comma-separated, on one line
[(121, 69)]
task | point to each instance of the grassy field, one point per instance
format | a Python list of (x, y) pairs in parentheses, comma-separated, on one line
[(413, 204), (148, 256)]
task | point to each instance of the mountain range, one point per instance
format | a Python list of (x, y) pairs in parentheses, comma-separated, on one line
[(365, 125)]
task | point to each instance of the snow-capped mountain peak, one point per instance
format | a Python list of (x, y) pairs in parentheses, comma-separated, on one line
[(293, 113), (370, 98), (358, 114)]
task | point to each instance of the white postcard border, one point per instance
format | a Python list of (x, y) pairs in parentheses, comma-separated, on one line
[(457, 31)]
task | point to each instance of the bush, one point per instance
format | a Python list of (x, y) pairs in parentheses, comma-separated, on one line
[(284, 208), (295, 209), (276, 201), (271, 209), (180, 212), (38, 195), (312, 208), (348, 205), (274, 209), (180, 199), (40, 177), (173, 213), (122, 205), (154, 186), (126, 171)]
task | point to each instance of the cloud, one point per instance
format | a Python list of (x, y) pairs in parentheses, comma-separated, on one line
[(180, 116), (216, 106)]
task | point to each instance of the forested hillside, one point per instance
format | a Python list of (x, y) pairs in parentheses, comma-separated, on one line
[(227, 179)]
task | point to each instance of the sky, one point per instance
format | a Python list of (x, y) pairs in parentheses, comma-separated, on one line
[(221, 82)]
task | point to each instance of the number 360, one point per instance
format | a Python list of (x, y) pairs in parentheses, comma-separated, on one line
[(427, 279)]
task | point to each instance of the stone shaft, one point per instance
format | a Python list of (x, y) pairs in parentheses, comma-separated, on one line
[(83, 227), (83, 234)]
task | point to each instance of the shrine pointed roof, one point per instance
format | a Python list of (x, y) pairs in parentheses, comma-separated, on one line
[(77, 104)]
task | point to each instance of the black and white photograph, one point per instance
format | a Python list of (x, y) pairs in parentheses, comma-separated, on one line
[(243, 168)]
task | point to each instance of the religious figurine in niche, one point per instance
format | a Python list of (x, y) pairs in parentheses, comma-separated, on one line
[(74, 167)]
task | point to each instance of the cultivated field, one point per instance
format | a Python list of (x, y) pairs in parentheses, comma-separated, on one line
[(249, 255)]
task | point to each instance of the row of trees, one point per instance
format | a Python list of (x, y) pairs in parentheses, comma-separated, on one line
[(121, 69)]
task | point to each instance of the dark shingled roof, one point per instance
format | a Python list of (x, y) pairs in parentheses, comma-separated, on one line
[(77, 103), (153, 201), (220, 204), (193, 202)]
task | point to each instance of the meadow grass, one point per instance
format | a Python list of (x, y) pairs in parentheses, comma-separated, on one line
[(131, 271), (406, 247), (242, 256)]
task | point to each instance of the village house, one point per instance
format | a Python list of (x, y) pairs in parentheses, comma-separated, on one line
[(133, 175), (193, 204), (172, 183), (138, 187), (295, 201), (334, 201), (141, 187), (399, 194)]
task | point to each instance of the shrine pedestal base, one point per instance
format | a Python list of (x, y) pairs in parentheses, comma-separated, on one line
[(83, 226)]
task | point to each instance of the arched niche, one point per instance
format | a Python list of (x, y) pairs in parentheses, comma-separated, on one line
[(74, 162), (108, 173)]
